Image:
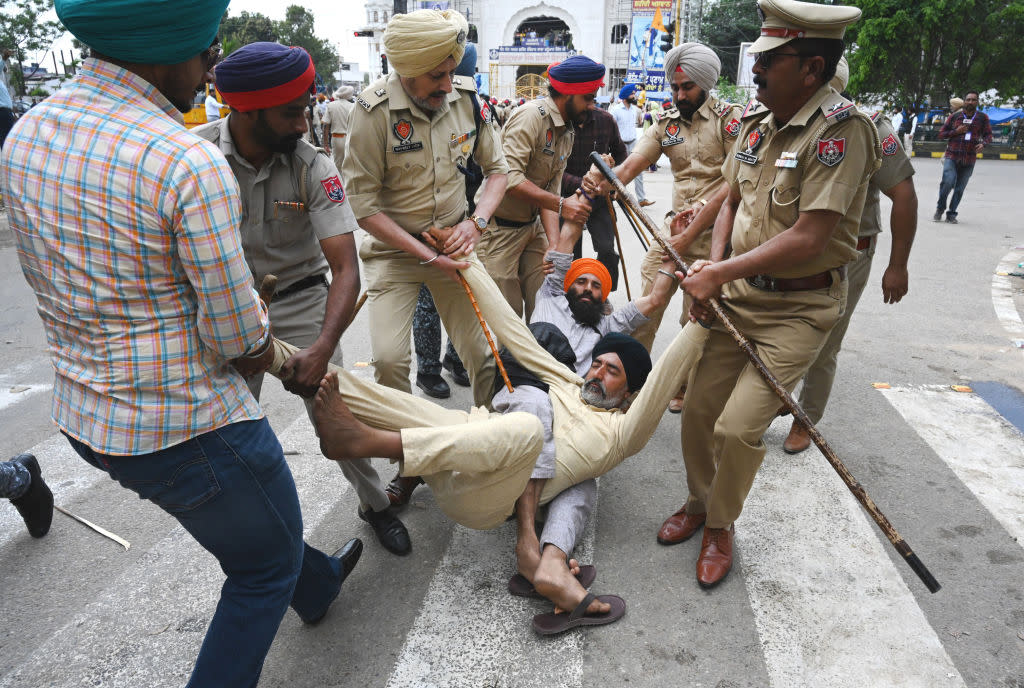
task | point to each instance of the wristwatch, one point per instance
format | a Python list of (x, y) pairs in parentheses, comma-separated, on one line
[(480, 222)]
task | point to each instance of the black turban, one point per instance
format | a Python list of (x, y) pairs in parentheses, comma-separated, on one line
[(635, 359)]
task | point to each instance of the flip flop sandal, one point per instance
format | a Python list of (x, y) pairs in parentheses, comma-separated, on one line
[(551, 623), (519, 586)]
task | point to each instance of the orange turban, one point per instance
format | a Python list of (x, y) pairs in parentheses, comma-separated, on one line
[(589, 266)]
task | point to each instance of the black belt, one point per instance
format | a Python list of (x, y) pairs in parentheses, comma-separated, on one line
[(512, 223), (820, 281), (304, 283)]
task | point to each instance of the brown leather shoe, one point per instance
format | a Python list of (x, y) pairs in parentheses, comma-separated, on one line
[(676, 404), (715, 558), (646, 202), (399, 490), (680, 526), (797, 441)]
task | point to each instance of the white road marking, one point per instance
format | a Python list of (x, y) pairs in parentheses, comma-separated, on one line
[(471, 633), (983, 449), (145, 629), (829, 605), (1002, 297)]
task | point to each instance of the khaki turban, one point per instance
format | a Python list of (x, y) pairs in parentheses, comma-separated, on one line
[(699, 62), (842, 77), (344, 93), (419, 41), (956, 104)]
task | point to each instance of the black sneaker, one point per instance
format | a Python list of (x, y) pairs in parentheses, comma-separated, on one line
[(389, 530), (458, 371), (937, 217), (951, 219), (434, 385), (36, 505)]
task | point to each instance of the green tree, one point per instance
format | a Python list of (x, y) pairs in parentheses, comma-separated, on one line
[(930, 50), (22, 32), (247, 27), (297, 29), (725, 25)]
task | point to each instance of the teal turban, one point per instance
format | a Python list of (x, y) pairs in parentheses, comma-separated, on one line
[(143, 31)]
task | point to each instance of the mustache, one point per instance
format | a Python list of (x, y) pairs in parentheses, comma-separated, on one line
[(759, 81), (596, 385)]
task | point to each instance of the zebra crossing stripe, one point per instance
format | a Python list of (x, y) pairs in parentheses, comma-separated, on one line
[(829, 605), (471, 632), (1002, 296), (984, 451)]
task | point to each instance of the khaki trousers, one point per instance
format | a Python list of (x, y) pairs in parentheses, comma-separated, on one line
[(514, 257), (649, 272), (393, 280), (721, 435), (477, 463), (298, 318), (338, 149), (819, 378)]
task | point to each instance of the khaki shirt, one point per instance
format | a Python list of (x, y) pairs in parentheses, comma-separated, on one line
[(281, 238), (895, 168), (402, 162), (337, 117), (537, 143), (821, 159)]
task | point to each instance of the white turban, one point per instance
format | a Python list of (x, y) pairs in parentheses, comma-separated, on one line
[(344, 93), (699, 62), (419, 41)]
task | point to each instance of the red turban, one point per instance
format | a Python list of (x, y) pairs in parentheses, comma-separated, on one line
[(589, 266)]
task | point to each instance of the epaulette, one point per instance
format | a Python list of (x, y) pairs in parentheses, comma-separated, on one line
[(671, 113), (874, 116), (306, 152), (836, 108), (464, 83), (721, 108), (753, 108), (373, 95)]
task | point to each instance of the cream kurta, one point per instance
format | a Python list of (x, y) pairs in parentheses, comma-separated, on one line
[(477, 463)]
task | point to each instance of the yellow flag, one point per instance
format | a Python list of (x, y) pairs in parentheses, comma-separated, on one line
[(658, 23)]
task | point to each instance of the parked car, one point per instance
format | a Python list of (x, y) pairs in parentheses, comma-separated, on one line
[(21, 106)]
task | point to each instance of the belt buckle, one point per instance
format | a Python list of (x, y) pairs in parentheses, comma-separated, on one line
[(763, 282)]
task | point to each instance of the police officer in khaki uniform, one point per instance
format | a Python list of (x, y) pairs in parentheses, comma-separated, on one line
[(298, 225), (537, 140), (893, 179), (798, 178), (695, 135), (410, 133), (335, 123)]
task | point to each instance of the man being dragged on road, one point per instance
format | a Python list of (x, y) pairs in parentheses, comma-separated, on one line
[(479, 464)]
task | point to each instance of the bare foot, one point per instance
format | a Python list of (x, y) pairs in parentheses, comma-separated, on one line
[(342, 435), (527, 554), (555, 581)]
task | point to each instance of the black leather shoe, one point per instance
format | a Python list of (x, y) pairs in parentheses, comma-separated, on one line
[(36, 505), (458, 371), (349, 555), (434, 385), (390, 531)]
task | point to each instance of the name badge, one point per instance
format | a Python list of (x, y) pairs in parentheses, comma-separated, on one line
[(748, 158), (406, 147)]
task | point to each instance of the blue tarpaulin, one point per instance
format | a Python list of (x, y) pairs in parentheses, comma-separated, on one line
[(1001, 115)]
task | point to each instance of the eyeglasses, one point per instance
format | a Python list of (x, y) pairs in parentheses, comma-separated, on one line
[(211, 56), (767, 58)]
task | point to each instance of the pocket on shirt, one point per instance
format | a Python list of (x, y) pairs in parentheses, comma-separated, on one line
[(785, 196)]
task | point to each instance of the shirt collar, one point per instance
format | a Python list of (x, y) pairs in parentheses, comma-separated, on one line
[(556, 115), (227, 147), (125, 85)]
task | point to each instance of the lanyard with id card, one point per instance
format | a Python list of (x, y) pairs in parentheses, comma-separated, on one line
[(968, 122)]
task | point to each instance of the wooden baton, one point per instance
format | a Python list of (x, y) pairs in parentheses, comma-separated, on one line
[(787, 399)]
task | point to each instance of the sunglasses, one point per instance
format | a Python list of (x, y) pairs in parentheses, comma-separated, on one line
[(211, 56), (766, 59)]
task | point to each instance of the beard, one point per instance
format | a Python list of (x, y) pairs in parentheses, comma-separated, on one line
[(424, 103), (274, 141), (594, 393), (686, 108), (584, 309)]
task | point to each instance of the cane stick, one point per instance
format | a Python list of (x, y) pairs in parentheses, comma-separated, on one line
[(633, 224), (487, 334), (618, 242), (787, 400), (359, 304)]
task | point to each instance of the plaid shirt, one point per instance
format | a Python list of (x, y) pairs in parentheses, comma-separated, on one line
[(599, 133), (961, 149), (127, 231)]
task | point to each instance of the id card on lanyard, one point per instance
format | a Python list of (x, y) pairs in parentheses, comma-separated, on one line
[(968, 122)]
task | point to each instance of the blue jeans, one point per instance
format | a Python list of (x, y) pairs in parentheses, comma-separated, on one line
[(954, 178), (232, 491)]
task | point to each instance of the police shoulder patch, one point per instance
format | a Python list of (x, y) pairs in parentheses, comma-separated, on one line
[(890, 145), (733, 127), (831, 151), (335, 191)]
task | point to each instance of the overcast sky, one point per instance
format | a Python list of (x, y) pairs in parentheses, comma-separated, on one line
[(335, 21)]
